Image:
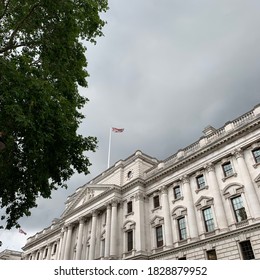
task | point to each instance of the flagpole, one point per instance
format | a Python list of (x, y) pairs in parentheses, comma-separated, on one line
[(109, 148)]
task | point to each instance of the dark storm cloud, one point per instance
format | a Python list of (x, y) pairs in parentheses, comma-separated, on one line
[(164, 71)]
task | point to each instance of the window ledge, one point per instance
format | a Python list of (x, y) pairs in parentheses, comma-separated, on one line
[(157, 208), (129, 254), (242, 223), (158, 249), (256, 165), (229, 176), (129, 214), (177, 199), (182, 242), (204, 188)]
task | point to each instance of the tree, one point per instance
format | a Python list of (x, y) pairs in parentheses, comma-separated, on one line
[(42, 65)]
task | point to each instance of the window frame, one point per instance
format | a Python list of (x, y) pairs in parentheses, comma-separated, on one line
[(256, 156), (211, 256), (227, 169), (201, 184), (159, 236), (182, 229), (238, 216), (208, 222), (177, 192), (246, 250), (156, 201), (129, 207), (130, 240)]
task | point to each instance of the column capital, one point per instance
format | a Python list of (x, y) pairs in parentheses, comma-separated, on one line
[(81, 220), (238, 153), (210, 167), (68, 226), (94, 213), (185, 179), (163, 189), (114, 202), (139, 196), (108, 205)]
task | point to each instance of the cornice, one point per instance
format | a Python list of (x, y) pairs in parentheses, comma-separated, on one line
[(201, 152), (133, 183), (43, 236)]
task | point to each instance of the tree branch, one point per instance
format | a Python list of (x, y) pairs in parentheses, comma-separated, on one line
[(11, 45), (5, 8)]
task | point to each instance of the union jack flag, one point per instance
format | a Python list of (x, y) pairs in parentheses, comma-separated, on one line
[(21, 231), (117, 130)]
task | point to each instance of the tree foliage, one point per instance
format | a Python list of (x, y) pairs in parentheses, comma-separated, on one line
[(42, 64)]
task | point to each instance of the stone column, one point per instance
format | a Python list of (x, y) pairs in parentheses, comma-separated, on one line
[(60, 245), (113, 240), (108, 230), (139, 232), (191, 215), (218, 203), (167, 217), (48, 257), (250, 191), (93, 235), (68, 242), (41, 253), (63, 243), (79, 241)]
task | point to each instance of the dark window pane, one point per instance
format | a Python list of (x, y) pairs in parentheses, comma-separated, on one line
[(182, 228), (208, 219), (156, 201), (130, 240), (129, 207), (201, 182), (211, 255), (159, 236), (239, 209), (246, 250), (256, 154), (177, 192), (227, 168)]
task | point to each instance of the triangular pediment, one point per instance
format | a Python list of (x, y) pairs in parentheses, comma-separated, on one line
[(85, 195)]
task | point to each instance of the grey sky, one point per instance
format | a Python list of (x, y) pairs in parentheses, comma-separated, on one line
[(163, 71)]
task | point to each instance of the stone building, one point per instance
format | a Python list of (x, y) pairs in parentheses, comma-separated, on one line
[(10, 255), (200, 203)]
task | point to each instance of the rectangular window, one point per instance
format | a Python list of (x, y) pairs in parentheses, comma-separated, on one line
[(201, 182), (130, 240), (256, 154), (227, 169), (54, 249), (182, 228), (246, 250), (177, 192), (129, 207), (208, 219), (45, 253), (239, 209), (156, 201), (159, 236), (211, 255)]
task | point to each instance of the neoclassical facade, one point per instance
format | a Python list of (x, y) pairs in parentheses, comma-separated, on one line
[(202, 202)]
